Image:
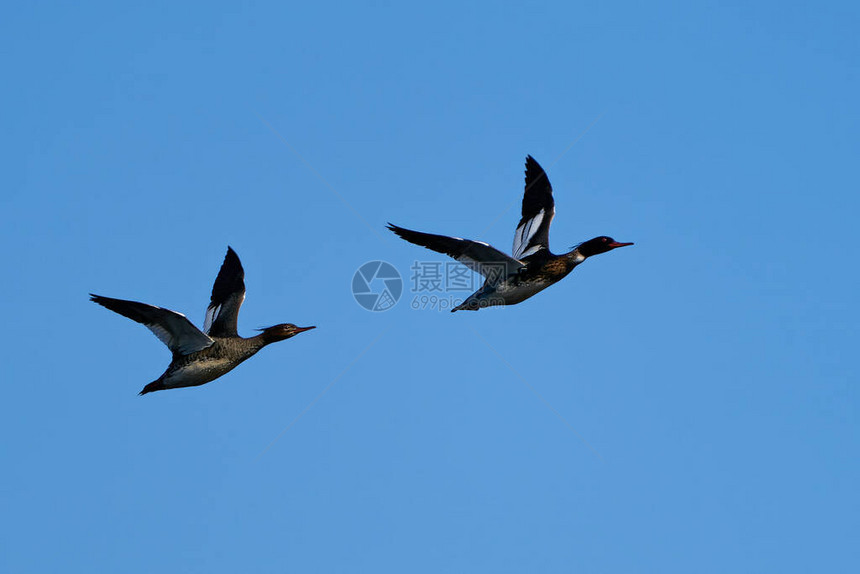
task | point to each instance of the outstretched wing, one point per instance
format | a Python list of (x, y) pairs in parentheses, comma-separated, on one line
[(172, 328), (532, 232), (478, 256), (228, 292)]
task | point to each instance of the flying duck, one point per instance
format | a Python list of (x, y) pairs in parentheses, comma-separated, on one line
[(510, 280), (202, 356)]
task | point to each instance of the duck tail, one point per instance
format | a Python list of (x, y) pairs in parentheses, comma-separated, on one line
[(467, 305), (153, 386)]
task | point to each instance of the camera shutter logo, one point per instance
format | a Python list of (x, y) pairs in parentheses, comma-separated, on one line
[(377, 286)]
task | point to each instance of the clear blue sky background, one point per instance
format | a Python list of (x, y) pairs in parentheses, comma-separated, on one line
[(704, 380)]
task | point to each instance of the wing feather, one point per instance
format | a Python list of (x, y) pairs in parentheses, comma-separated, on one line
[(477, 255), (532, 234), (228, 293), (172, 328)]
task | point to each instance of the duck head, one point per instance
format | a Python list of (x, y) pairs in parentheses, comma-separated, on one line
[(599, 245), (283, 331)]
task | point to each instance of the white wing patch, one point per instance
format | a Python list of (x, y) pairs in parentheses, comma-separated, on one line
[(524, 234), (531, 251), (211, 314), (163, 334), (180, 334)]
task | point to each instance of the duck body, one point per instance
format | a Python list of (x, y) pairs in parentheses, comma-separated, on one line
[(205, 366), (535, 276), (199, 356), (511, 279)]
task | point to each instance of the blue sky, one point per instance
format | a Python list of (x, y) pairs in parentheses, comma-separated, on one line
[(685, 405)]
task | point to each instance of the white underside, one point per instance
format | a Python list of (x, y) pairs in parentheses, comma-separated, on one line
[(198, 373)]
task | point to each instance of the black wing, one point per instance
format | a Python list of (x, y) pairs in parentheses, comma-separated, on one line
[(477, 255), (228, 292), (532, 232), (172, 328)]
